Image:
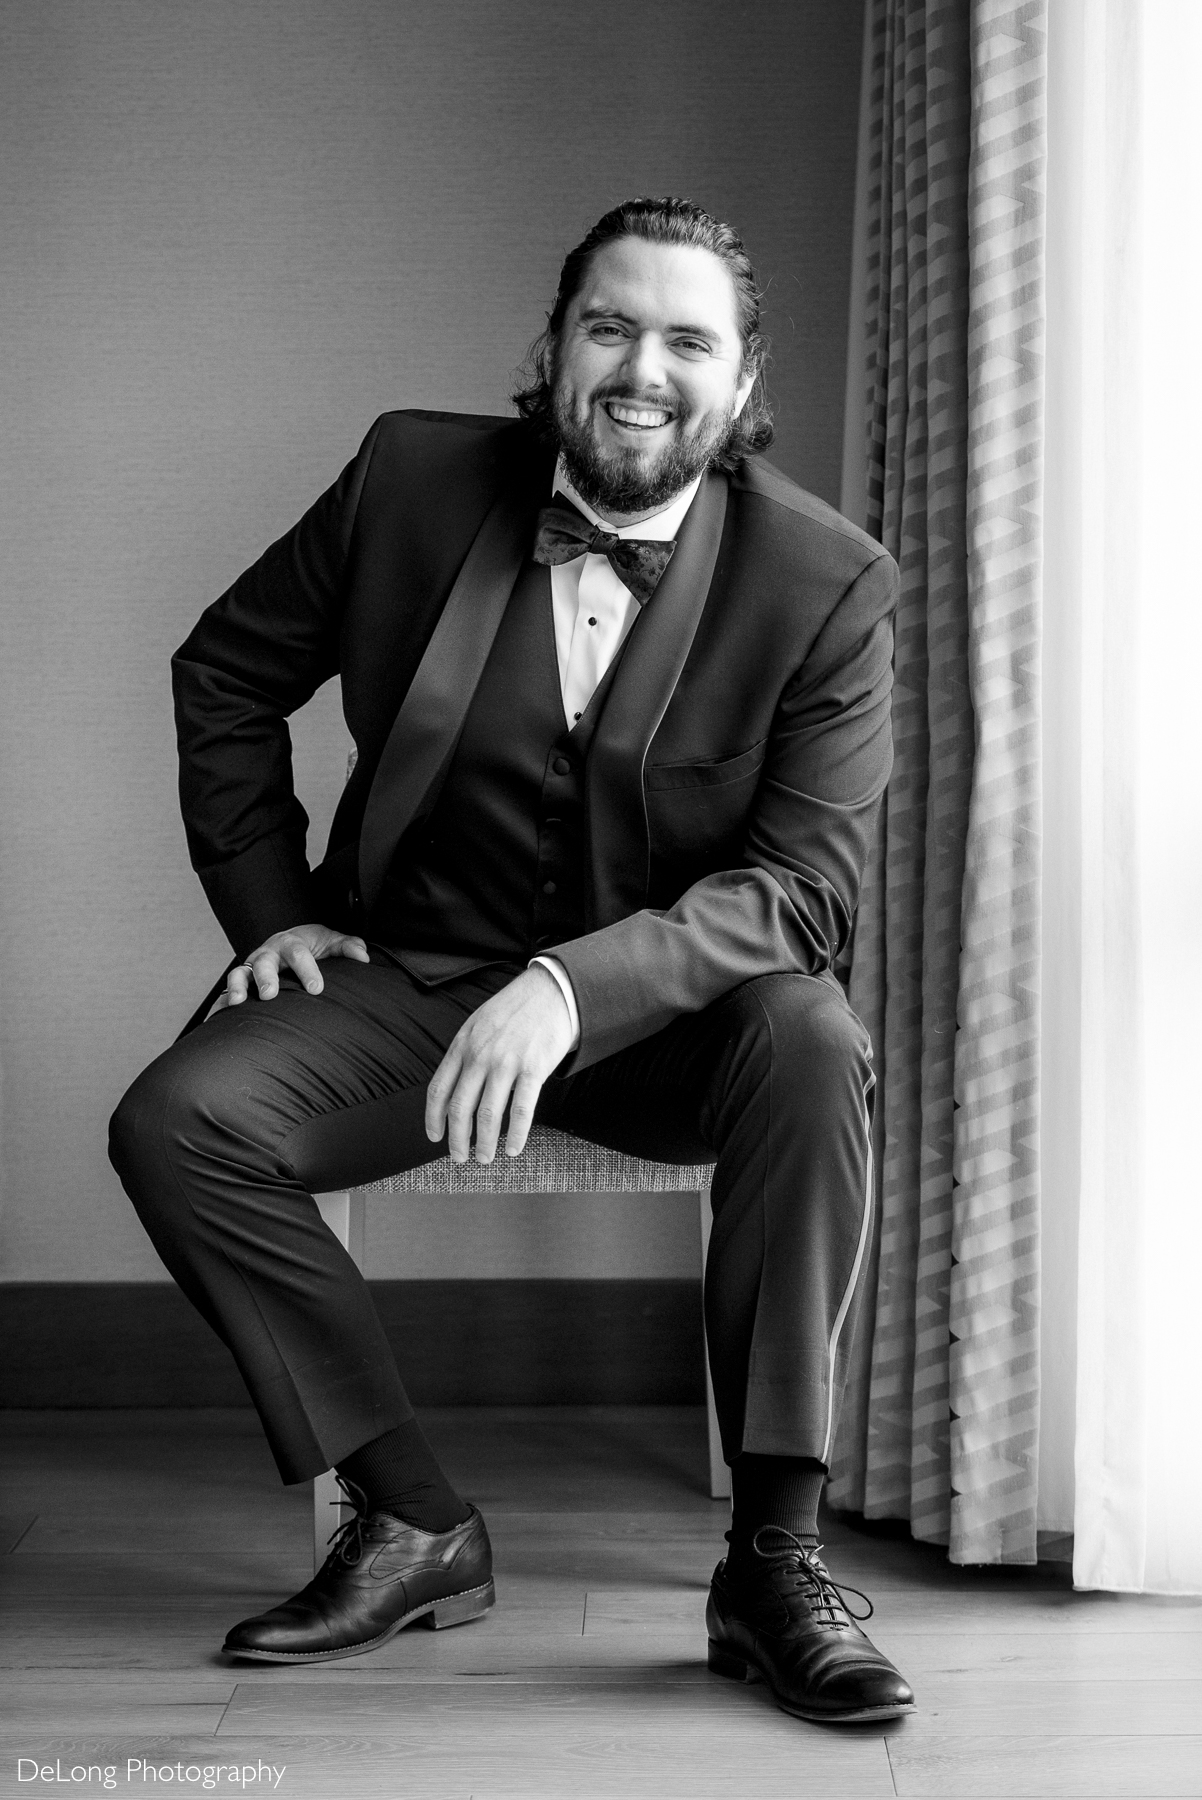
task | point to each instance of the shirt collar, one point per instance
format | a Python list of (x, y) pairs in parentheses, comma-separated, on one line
[(660, 528)]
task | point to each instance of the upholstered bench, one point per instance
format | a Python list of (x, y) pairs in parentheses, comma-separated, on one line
[(551, 1163)]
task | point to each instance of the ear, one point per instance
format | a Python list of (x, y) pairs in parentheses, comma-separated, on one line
[(747, 381)]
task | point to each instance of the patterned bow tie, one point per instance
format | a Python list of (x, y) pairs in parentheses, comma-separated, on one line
[(564, 533)]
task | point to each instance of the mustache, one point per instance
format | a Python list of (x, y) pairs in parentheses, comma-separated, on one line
[(660, 402)]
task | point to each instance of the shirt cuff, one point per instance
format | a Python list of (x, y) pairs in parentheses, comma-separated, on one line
[(563, 981)]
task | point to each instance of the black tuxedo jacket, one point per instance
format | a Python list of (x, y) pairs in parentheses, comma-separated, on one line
[(736, 768)]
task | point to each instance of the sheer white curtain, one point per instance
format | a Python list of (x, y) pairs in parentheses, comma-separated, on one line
[(1122, 1006)]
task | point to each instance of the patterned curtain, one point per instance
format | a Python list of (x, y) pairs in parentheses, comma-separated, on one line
[(941, 1418)]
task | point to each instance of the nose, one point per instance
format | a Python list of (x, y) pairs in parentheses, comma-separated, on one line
[(646, 365)]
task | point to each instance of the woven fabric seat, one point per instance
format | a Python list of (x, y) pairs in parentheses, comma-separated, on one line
[(553, 1162)]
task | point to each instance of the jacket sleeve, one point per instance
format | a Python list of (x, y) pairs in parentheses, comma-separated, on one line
[(256, 655), (790, 906)]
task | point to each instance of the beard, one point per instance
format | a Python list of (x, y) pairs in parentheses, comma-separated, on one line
[(625, 480)]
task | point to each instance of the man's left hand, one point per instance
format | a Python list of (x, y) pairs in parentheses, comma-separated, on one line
[(499, 1058)]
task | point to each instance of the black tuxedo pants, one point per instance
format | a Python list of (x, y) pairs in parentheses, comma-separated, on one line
[(224, 1139)]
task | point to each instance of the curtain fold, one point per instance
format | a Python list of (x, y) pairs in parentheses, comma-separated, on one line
[(941, 1417), (994, 1377)]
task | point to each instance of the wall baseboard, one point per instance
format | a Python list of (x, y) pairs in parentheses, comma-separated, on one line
[(458, 1343)]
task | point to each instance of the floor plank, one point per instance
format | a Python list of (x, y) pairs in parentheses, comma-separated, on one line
[(1050, 1656), (918, 1612), (140, 1716), (1029, 1767), (979, 1706)]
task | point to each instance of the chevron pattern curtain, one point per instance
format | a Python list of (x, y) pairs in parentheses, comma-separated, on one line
[(940, 1424)]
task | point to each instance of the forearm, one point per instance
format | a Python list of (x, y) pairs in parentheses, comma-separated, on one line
[(632, 978), (264, 890)]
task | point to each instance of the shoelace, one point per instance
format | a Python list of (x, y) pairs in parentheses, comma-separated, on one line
[(823, 1595), (342, 1537)]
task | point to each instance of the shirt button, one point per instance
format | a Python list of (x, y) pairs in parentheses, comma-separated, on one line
[(562, 766), (548, 887), (592, 621)]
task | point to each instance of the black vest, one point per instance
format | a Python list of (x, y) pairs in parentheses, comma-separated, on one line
[(496, 872)]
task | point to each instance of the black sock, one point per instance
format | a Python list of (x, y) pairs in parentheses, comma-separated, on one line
[(400, 1474), (772, 1490)]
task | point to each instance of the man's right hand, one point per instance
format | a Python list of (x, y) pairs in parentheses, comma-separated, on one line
[(300, 950)]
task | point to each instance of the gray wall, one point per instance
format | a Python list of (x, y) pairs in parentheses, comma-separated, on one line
[(232, 234)]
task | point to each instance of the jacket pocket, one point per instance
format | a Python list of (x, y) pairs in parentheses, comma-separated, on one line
[(720, 772)]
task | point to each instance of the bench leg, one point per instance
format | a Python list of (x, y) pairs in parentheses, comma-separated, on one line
[(719, 1470), (344, 1213)]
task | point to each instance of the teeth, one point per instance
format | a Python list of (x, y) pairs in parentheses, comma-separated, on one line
[(633, 415)]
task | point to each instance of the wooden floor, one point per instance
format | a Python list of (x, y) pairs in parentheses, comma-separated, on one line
[(132, 1540)]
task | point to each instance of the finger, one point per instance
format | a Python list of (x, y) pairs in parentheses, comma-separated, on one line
[(237, 983), (219, 1005), (352, 947), (490, 1111), (521, 1113), (301, 960), (265, 967), (439, 1091), (461, 1111)]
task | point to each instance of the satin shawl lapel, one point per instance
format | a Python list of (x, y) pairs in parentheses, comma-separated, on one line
[(644, 684), (427, 727)]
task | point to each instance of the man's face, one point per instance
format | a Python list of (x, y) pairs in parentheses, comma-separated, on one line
[(647, 374)]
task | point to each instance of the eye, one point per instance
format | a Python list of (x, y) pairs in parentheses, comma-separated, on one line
[(607, 332), (693, 346)]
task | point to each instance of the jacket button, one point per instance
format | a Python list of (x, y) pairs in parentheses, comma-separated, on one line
[(548, 887), (562, 766)]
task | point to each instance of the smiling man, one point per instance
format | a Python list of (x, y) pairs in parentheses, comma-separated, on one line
[(620, 694)]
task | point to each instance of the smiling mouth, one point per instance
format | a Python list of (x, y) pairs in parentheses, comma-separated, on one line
[(637, 418)]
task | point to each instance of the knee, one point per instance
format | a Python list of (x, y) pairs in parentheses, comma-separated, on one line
[(803, 1025), (173, 1103), (137, 1126)]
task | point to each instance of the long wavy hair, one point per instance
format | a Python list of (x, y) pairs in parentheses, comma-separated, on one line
[(664, 221)]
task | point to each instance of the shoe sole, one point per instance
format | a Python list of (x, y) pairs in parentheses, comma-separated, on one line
[(436, 1615), (739, 1668)]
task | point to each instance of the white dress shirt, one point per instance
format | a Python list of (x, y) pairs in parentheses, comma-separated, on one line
[(594, 610)]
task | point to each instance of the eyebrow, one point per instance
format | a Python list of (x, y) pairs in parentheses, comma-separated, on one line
[(615, 312)]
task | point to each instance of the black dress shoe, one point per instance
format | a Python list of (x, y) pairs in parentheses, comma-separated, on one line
[(785, 1623), (381, 1575)]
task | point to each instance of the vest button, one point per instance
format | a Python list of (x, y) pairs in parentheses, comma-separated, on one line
[(548, 887), (562, 766)]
